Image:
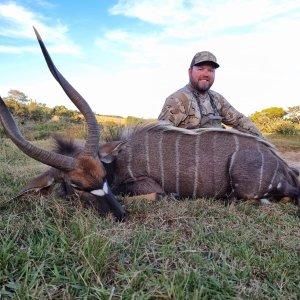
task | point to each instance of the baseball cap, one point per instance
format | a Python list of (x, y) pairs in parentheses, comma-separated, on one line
[(204, 56)]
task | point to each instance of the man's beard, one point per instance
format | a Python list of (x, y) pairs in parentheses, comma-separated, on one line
[(199, 88)]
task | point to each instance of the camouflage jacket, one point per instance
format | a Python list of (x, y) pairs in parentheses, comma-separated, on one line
[(185, 108)]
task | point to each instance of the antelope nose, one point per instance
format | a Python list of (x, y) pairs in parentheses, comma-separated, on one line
[(121, 216), (115, 207)]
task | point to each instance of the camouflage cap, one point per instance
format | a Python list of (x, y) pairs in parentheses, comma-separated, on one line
[(204, 56)]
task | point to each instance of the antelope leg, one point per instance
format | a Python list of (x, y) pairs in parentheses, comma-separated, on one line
[(141, 186)]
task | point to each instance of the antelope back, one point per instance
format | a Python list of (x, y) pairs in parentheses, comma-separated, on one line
[(193, 163)]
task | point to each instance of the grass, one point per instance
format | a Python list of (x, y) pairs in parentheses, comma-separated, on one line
[(52, 248), (285, 142)]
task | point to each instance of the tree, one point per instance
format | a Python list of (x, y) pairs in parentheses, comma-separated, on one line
[(293, 113), (38, 111), (67, 114), (268, 114), (62, 111), (17, 96), (272, 120), (18, 109)]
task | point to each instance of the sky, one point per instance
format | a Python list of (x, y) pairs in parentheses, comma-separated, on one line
[(126, 56)]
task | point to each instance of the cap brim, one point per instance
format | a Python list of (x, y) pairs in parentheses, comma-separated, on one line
[(214, 64)]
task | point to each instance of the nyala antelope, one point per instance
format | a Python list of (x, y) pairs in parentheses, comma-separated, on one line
[(80, 171), (157, 158)]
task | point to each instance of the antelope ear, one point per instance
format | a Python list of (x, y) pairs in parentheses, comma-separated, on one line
[(108, 151), (42, 184)]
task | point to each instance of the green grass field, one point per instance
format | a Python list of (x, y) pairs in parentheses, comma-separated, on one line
[(52, 248)]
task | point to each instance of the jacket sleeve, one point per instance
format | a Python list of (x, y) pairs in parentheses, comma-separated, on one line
[(175, 109), (232, 117)]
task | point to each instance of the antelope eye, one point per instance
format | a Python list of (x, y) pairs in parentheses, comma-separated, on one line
[(77, 186)]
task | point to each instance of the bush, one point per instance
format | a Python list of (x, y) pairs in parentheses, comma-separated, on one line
[(110, 132), (284, 127)]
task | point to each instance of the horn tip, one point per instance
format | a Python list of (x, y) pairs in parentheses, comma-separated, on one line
[(36, 33)]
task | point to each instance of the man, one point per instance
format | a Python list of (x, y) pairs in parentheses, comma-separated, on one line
[(195, 105)]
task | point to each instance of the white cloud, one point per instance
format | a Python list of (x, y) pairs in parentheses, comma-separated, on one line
[(17, 22), (213, 15), (16, 50), (152, 11), (254, 41), (200, 22)]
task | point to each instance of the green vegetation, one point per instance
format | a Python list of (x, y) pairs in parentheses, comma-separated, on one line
[(37, 121), (273, 120), (285, 142), (278, 121), (52, 248)]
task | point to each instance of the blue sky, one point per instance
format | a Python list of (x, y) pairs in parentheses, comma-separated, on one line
[(125, 57)]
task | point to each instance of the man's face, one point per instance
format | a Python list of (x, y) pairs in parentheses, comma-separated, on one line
[(202, 77)]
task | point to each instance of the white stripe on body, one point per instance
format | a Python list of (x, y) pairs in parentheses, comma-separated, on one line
[(274, 175), (197, 164), (161, 161), (237, 147), (236, 143), (177, 159), (261, 171), (129, 167), (214, 164), (147, 152)]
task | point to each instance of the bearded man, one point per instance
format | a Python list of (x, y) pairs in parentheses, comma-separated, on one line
[(197, 106)]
